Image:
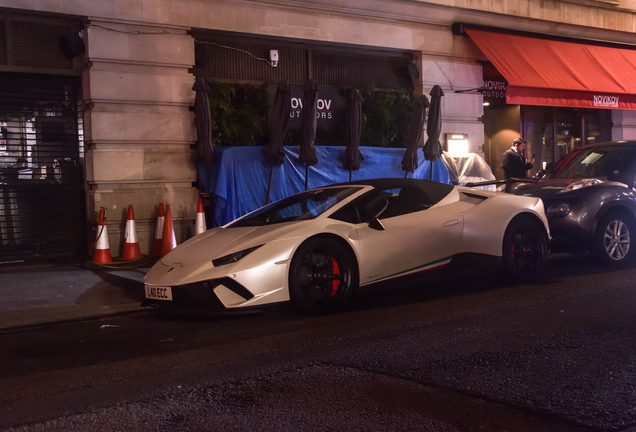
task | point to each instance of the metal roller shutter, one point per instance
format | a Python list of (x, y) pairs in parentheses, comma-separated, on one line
[(41, 150)]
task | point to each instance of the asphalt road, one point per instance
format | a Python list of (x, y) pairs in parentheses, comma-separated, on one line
[(460, 353)]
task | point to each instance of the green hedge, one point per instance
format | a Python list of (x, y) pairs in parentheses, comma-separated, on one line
[(239, 114), (386, 117), (240, 117)]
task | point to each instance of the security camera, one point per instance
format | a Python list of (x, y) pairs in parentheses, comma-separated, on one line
[(273, 57)]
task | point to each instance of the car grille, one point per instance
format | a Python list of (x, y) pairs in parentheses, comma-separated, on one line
[(198, 296)]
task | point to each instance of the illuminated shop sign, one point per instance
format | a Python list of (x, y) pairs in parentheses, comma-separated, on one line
[(601, 101), (494, 90), (569, 98)]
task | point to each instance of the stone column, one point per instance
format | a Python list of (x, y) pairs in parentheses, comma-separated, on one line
[(138, 127), (461, 112), (623, 125)]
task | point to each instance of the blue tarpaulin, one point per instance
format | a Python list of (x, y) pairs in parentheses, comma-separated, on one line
[(239, 175)]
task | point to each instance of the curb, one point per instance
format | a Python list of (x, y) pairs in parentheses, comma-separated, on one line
[(86, 318)]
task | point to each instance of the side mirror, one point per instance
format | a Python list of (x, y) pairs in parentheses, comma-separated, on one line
[(539, 175), (374, 209)]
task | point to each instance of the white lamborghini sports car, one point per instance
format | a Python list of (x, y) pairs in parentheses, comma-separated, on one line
[(318, 247)]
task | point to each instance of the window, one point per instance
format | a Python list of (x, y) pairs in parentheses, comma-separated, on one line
[(573, 129), (302, 206), (595, 162), (348, 213), (402, 200), (539, 132)]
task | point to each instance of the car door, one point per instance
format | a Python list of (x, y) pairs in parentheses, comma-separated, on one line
[(416, 238)]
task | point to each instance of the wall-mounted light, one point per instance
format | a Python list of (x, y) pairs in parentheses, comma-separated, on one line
[(457, 144), (486, 103)]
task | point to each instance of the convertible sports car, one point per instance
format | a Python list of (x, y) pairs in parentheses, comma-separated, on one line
[(318, 247)]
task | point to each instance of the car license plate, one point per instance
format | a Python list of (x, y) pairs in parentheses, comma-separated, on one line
[(158, 293)]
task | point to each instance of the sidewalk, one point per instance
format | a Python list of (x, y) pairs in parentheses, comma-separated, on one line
[(42, 292)]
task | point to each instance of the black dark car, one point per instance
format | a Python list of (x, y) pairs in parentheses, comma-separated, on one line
[(589, 198)]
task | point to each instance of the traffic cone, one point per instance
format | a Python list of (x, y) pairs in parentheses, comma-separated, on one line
[(102, 249), (199, 223), (158, 244), (169, 239), (131, 250)]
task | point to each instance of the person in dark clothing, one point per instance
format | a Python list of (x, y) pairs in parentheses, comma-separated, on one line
[(515, 164)]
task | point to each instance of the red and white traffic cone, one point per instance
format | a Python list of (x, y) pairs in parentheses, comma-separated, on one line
[(199, 223), (158, 244), (169, 239), (102, 248), (131, 250)]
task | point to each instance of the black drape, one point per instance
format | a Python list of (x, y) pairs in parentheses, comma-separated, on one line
[(416, 136)]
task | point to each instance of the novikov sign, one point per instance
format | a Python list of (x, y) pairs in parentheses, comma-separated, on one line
[(323, 105), (494, 90), (601, 101), (330, 106), (569, 98)]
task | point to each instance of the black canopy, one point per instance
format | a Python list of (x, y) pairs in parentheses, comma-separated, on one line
[(278, 120), (433, 148), (353, 119), (309, 121), (416, 136), (205, 153)]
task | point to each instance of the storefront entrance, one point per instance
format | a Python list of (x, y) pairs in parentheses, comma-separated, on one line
[(563, 89), (572, 127), (41, 153)]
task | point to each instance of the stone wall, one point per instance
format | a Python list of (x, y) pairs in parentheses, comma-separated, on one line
[(139, 129), (623, 125)]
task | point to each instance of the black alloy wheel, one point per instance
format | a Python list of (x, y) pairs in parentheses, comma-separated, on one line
[(323, 275), (612, 239), (525, 250)]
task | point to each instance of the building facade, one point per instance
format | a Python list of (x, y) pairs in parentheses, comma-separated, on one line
[(114, 125)]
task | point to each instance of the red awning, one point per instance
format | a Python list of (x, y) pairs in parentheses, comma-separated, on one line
[(555, 73)]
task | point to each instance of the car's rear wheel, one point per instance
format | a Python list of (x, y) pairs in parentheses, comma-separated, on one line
[(525, 250), (613, 239), (323, 275)]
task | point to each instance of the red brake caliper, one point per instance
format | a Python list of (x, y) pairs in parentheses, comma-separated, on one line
[(335, 270), (512, 250)]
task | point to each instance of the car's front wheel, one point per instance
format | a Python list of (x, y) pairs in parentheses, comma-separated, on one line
[(323, 275), (613, 239), (525, 250)]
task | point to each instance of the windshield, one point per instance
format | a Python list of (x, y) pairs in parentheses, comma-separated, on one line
[(593, 163), (302, 206)]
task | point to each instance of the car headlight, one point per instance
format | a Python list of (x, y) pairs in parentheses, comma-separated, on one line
[(233, 257), (558, 210), (581, 184)]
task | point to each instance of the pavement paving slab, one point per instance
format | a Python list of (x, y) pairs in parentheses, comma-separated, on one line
[(45, 292)]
